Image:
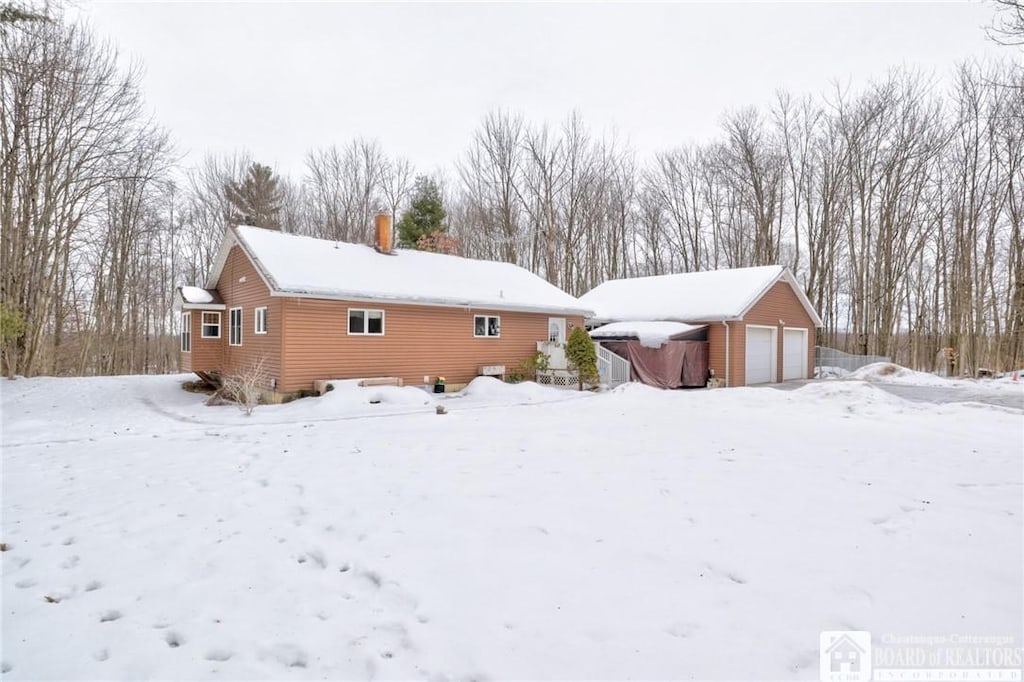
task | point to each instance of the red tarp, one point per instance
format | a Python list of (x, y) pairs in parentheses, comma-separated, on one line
[(676, 364)]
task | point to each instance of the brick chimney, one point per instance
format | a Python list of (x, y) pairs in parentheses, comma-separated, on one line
[(382, 233)]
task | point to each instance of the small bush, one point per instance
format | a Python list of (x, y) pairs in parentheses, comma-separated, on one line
[(531, 366), (246, 387), (579, 351)]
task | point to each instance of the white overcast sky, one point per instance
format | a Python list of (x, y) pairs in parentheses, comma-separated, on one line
[(277, 79)]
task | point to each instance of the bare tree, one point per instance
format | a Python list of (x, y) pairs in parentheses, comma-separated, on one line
[(344, 188), (246, 386), (68, 115), (1008, 26)]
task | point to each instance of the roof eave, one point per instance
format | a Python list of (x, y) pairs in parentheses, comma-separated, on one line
[(202, 306), (706, 319), (790, 279), (362, 297)]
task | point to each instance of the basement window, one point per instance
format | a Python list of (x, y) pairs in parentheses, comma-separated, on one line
[(235, 327), (186, 332), (211, 326), (261, 321), (365, 322), (486, 326)]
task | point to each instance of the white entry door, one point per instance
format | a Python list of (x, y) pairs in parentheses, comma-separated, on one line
[(555, 345), (760, 355), (794, 354), (556, 330)]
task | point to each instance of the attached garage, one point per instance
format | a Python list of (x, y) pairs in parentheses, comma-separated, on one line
[(794, 354), (760, 355), (760, 324)]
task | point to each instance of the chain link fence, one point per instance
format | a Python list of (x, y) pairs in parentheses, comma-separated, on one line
[(832, 362)]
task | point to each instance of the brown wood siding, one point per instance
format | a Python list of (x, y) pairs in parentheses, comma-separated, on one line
[(779, 303), (240, 285), (716, 349), (418, 341), (207, 354)]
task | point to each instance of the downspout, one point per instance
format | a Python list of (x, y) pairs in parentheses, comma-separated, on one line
[(726, 325)]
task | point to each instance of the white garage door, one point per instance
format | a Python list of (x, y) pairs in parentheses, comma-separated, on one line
[(760, 355), (794, 354)]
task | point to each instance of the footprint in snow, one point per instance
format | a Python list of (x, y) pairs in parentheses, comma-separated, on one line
[(218, 655), (68, 541), (93, 585), (808, 659), (6, 667), (109, 616), (373, 577), (316, 556), (70, 562), (100, 655), (682, 630), (23, 584), (729, 575), (289, 655), (173, 639)]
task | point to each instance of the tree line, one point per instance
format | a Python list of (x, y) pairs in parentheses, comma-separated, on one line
[(898, 205)]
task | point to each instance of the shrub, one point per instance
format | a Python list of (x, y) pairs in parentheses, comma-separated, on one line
[(528, 368), (246, 386), (579, 351)]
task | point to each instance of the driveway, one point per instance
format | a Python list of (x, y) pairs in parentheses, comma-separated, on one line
[(968, 393), (956, 394)]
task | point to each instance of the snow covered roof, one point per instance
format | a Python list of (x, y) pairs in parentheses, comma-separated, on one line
[(650, 334), (294, 265), (707, 296), (197, 297)]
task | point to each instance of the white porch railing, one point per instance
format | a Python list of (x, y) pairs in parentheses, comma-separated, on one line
[(613, 369)]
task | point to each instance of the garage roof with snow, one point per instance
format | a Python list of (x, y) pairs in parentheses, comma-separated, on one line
[(293, 265), (708, 296)]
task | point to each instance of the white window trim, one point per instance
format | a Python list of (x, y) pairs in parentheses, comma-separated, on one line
[(202, 325), (241, 322), (366, 321), (186, 332), (487, 327), (259, 313)]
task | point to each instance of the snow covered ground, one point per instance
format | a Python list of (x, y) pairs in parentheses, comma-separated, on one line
[(528, 533)]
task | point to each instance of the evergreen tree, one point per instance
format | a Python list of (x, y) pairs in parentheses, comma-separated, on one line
[(425, 216), (257, 199), (579, 351)]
